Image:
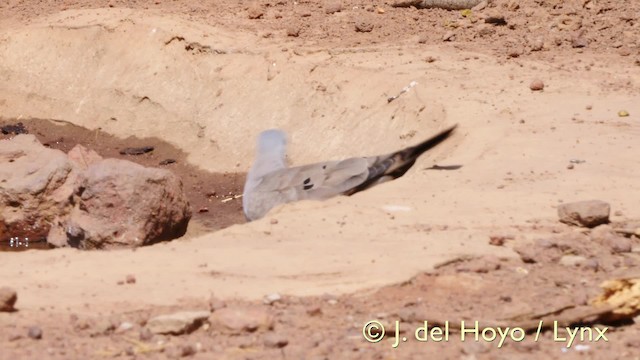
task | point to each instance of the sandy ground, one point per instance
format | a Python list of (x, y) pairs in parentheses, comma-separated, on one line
[(204, 80)]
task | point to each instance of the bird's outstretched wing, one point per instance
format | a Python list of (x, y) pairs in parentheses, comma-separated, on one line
[(324, 180)]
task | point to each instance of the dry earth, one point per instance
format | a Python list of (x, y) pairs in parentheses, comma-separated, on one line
[(201, 80)]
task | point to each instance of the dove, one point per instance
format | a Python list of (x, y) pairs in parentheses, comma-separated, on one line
[(270, 182)]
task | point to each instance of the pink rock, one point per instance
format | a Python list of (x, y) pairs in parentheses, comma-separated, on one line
[(122, 204)]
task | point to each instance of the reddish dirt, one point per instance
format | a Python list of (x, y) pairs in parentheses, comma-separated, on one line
[(211, 195)]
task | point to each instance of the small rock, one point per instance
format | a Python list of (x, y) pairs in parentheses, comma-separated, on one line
[(145, 334), (255, 11), (497, 20), (606, 236), (572, 260), (137, 150), (449, 36), (588, 213), (102, 327), (273, 221), (314, 311), (570, 166), (167, 162), (332, 6), (15, 336), (537, 45), (237, 320), (430, 59), (293, 29), (178, 323), (536, 85), (130, 279), (515, 51), (216, 303), (363, 25), (272, 340), (499, 240), (35, 333), (579, 41), (8, 298), (188, 350), (124, 327), (271, 298), (203, 209), (623, 113)]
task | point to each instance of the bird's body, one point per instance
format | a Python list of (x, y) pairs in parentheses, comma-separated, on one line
[(271, 183)]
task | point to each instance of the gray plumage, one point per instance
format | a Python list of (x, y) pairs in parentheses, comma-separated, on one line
[(270, 182)]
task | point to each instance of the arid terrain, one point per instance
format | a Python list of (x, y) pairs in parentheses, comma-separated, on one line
[(545, 94)]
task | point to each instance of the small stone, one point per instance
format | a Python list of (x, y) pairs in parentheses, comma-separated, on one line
[(623, 113), (8, 298), (255, 11), (624, 52), (499, 240), (363, 25), (536, 85), (293, 29), (430, 59), (589, 107), (314, 311), (570, 166), (35, 333), (515, 52), (380, 10), (537, 45), (588, 213), (188, 350), (237, 320), (178, 323), (271, 298), (449, 36), (145, 334), (124, 327), (272, 340), (102, 327), (579, 41), (216, 303), (572, 260), (130, 279), (273, 221), (332, 6)]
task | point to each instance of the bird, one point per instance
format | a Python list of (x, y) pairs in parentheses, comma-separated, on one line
[(270, 182)]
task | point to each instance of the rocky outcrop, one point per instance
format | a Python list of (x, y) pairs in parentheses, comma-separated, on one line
[(84, 201)]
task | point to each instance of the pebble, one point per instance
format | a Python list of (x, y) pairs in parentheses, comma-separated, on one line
[(178, 323), (271, 298), (536, 85), (572, 260), (35, 333), (293, 30), (449, 36), (363, 25), (537, 45), (8, 298), (314, 311), (237, 320), (255, 11), (332, 6), (277, 341), (130, 279)]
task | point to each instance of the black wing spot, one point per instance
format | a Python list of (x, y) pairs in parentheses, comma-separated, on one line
[(307, 187), (307, 181)]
